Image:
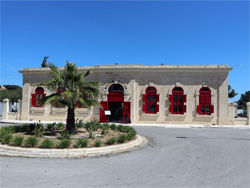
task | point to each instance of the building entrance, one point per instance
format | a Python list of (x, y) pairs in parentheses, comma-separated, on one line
[(116, 109), (120, 110)]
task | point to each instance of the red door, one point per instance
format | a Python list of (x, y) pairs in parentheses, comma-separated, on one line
[(126, 110), (103, 117)]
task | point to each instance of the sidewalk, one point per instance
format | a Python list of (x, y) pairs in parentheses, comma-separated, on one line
[(144, 124)]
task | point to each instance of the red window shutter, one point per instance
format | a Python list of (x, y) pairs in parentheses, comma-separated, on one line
[(211, 109), (199, 109), (184, 108), (156, 98), (144, 108), (208, 99), (171, 108), (156, 108), (144, 98), (33, 99), (103, 117), (184, 98), (171, 98)]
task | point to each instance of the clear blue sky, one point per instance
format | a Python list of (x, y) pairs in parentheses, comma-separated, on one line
[(148, 33)]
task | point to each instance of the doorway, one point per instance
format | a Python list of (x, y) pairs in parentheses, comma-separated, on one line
[(116, 109)]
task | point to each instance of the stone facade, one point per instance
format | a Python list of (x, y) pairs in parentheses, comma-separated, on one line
[(135, 79)]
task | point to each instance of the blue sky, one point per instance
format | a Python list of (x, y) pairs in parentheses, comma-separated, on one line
[(134, 32)]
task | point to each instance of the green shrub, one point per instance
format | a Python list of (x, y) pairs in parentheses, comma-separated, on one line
[(131, 134), (3, 132), (121, 138), (47, 143), (65, 143), (16, 141), (30, 142), (60, 126), (92, 126), (64, 134), (24, 128), (16, 128), (6, 138), (79, 124), (97, 143), (39, 130), (119, 128), (51, 126), (104, 127), (81, 143), (110, 141), (113, 126)]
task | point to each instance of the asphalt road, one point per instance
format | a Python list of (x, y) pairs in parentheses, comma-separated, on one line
[(184, 157)]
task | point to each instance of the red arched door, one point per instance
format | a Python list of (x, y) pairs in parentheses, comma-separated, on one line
[(120, 110)]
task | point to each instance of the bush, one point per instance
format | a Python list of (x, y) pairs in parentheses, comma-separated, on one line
[(131, 134), (24, 128), (16, 128), (97, 143), (113, 126), (65, 143), (79, 124), (64, 134), (121, 138), (105, 128), (6, 138), (39, 130), (110, 141), (3, 132), (30, 142), (92, 126), (81, 143), (47, 143), (51, 126), (16, 141), (60, 126), (119, 128)]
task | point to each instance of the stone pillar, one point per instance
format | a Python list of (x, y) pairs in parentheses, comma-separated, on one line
[(235, 110), (19, 112), (5, 109), (26, 98), (248, 113)]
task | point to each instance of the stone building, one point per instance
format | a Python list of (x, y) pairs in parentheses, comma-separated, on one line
[(170, 94)]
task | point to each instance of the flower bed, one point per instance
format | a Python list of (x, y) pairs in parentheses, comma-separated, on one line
[(87, 135)]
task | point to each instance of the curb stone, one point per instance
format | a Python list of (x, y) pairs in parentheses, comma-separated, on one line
[(70, 153)]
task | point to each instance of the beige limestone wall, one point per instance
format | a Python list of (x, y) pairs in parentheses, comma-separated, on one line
[(135, 82)]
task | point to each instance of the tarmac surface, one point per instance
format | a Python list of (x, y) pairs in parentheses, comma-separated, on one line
[(173, 157)]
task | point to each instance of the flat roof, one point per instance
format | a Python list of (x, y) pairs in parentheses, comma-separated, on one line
[(100, 68)]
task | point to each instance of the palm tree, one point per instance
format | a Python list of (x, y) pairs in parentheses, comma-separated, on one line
[(71, 90)]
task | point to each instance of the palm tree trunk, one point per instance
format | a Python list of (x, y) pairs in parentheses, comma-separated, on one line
[(71, 120)]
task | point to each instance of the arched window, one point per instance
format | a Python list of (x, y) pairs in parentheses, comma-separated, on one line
[(37, 97), (150, 100), (116, 88), (205, 107), (177, 99)]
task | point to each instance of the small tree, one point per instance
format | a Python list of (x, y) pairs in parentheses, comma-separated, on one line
[(243, 100), (76, 91), (231, 92)]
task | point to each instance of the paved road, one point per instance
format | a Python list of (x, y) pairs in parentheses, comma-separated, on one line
[(207, 157)]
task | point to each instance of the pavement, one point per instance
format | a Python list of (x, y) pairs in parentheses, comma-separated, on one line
[(194, 157)]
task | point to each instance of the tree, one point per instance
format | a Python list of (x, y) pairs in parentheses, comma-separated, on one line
[(231, 92), (12, 92), (44, 63), (76, 90), (243, 100)]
